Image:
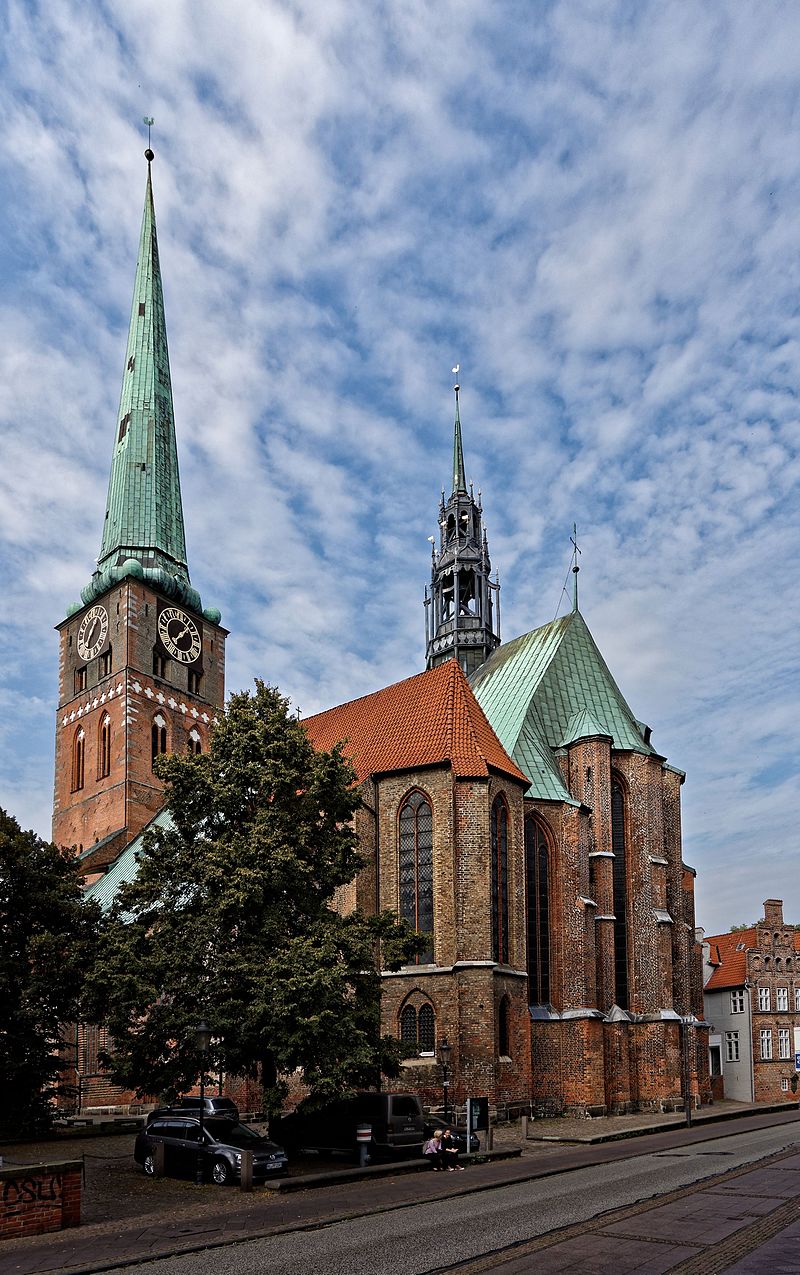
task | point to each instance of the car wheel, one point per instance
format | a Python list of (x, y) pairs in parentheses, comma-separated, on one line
[(149, 1165), (221, 1172)]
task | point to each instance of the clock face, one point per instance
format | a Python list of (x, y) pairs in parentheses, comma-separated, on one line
[(92, 633), (180, 635)]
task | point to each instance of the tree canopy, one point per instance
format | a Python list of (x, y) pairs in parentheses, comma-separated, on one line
[(230, 919), (48, 936)]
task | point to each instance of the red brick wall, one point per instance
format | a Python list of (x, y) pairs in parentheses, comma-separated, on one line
[(773, 963), (39, 1197), (131, 794)]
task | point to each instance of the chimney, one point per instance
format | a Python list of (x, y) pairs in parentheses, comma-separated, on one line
[(773, 914)]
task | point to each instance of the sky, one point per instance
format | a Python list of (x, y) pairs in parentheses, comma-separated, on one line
[(592, 207)]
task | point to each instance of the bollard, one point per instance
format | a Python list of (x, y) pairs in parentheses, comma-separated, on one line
[(490, 1138), (363, 1138), (246, 1171), (158, 1159), (524, 1128)]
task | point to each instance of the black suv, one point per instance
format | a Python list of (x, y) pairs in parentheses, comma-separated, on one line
[(222, 1147), (221, 1108)]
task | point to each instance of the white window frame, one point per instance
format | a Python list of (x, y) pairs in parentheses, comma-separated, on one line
[(737, 1001), (731, 1046), (764, 1000), (782, 1000), (784, 1084), (797, 999), (784, 1042), (766, 1044)]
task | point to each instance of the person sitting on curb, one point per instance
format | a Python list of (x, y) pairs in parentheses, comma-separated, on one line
[(433, 1149), (450, 1151)]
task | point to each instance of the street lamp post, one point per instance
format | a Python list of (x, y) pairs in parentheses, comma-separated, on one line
[(686, 1021), (444, 1058), (203, 1037)]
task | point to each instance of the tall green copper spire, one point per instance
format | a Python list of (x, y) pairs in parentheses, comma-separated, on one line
[(143, 532), (459, 480)]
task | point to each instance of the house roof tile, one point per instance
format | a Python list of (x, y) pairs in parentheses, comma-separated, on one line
[(729, 955), (427, 720)]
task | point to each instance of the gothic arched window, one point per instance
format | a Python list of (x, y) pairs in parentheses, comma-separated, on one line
[(78, 759), (408, 1025), (416, 867), (195, 743), (104, 748), (620, 892), (503, 1035), (537, 874), (158, 737), (500, 881), (418, 1028)]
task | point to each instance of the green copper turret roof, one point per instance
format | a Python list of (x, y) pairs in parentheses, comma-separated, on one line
[(459, 480), (143, 533)]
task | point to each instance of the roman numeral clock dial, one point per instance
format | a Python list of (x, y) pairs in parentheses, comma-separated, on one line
[(92, 633), (179, 634)]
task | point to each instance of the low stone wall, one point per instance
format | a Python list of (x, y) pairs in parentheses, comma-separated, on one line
[(35, 1198)]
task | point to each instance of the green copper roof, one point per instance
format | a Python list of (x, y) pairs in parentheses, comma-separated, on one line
[(126, 866), (549, 688), (459, 480), (143, 532)]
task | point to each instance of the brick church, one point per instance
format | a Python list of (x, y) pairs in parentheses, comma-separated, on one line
[(513, 808)]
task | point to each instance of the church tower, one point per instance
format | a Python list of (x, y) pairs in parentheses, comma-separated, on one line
[(142, 664), (459, 610)]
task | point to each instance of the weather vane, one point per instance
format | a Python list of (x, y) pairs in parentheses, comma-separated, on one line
[(455, 372), (149, 121), (575, 567)]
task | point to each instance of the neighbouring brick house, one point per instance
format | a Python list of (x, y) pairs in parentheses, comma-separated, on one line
[(752, 998), (513, 808)]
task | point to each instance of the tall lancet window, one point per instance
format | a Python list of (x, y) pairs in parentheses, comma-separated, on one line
[(537, 872), (78, 759), (620, 892), (158, 737), (500, 881), (416, 867), (104, 748)]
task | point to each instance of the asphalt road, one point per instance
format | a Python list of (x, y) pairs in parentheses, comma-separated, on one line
[(430, 1236)]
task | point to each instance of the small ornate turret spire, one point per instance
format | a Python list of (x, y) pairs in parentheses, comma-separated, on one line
[(459, 481), (459, 610)]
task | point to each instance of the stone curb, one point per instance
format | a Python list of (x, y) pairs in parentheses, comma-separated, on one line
[(337, 1176), (679, 1123)]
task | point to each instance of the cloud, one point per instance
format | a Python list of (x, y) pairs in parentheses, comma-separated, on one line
[(594, 214)]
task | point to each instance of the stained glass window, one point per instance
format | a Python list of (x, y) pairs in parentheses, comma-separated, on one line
[(620, 894), (537, 872), (416, 868), (500, 881)]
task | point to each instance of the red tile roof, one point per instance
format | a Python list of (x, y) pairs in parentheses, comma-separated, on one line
[(427, 720), (729, 954)]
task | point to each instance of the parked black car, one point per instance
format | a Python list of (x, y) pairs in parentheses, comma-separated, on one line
[(215, 1106), (396, 1119), (222, 1147)]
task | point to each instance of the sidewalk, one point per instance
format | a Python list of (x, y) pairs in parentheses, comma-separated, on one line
[(204, 1217), (746, 1222), (611, 1128)]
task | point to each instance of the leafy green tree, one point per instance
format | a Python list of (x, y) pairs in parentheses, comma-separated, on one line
[(48, 936), (230, 919)]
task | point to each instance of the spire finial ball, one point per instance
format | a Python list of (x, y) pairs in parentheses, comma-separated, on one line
[(149, 156)]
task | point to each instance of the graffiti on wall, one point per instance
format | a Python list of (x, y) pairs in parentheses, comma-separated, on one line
[(19, 1194)]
